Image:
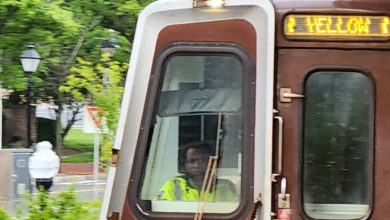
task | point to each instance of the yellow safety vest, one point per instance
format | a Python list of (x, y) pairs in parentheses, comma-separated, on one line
[(179, 189)]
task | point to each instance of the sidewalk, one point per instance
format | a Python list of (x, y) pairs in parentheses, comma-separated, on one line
[(73, 172)]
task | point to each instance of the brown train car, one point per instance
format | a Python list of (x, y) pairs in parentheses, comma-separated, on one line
[(255, 109)]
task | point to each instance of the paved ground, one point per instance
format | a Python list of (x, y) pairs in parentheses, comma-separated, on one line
[(77, 168), (77, 172)]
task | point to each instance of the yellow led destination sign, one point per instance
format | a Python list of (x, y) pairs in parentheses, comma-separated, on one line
[(335, 27)]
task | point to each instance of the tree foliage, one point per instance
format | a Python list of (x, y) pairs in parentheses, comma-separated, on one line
[(122, 16), (64, 31), (88, 78), (3, 214), (45, 23), (63, 206)]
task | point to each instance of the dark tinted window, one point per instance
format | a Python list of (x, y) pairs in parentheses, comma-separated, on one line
[(338, 145)]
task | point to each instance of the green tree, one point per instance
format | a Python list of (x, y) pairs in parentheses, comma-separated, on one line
[(23, 21), (47, 24), (87, 16), (84, 43), (122, 16), (62, 30), (87, 79)]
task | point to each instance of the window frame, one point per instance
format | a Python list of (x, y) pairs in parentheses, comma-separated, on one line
[(148, 117), (371, 160)]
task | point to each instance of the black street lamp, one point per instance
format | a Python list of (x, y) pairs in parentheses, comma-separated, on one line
[(30, 60)]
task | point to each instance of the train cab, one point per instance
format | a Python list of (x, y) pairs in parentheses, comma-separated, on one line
[(255, 109)]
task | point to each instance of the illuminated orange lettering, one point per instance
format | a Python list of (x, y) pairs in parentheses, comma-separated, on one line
[(364, 27), (321, 24), (328, 26), (358, 26), (310, 24), (353, 26), (385, 26), (339, 26), (291, 24)]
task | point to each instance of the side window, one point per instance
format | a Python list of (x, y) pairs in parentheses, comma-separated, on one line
[(194, 154), (338, 145)]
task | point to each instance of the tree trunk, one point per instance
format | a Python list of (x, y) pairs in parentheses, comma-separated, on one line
[(76, 109)]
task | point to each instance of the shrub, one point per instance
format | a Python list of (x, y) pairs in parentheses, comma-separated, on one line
[(64, 206), (3, 214), (106, 152)]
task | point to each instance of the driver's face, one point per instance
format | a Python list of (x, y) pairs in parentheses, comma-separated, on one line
[(196, 162)]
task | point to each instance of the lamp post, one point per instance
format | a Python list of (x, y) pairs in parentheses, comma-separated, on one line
[(30, 60)]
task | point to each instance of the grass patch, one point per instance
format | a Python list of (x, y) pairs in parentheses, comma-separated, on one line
[(79, 158), (78, 140)]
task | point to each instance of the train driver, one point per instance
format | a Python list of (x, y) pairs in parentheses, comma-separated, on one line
[(188, 186)]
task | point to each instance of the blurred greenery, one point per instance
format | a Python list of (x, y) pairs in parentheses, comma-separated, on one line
[(78, 140), (63, 32), (79, 158), (87, 76), (3, 214), (63, 206)]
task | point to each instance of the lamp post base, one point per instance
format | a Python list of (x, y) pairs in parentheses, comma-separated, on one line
[(44, 183)]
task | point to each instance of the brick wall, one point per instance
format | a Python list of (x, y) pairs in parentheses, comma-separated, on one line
[(15, 125)]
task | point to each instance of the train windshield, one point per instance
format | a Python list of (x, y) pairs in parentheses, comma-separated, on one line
[(193, 161)]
